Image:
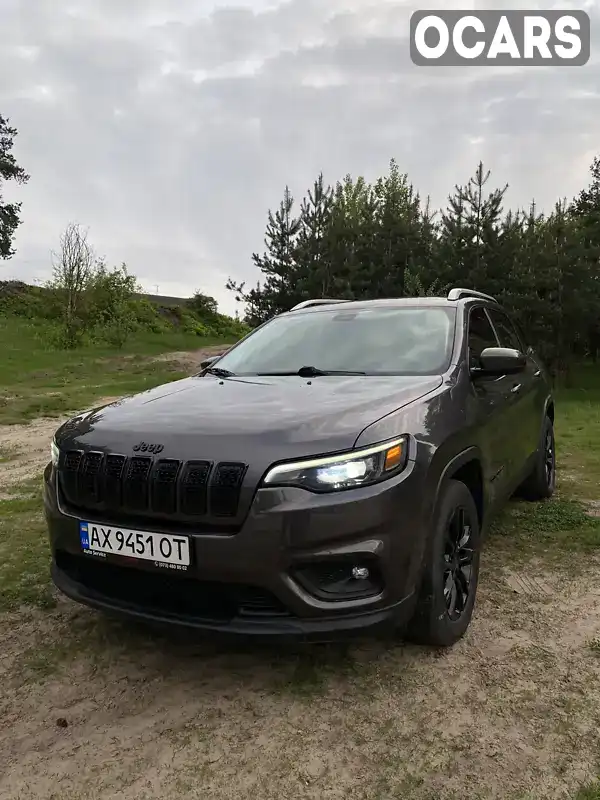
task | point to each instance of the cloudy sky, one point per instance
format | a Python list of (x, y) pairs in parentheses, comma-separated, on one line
[(169, 127)]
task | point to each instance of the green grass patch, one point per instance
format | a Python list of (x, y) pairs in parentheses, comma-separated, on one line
[(24, 554), (589, 792), (578, 434), (549, 527), (39, 380), (28, 491)]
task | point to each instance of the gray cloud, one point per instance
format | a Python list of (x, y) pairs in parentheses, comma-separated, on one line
[(169, 127)]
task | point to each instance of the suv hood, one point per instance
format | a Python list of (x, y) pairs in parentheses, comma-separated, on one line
[(209, 417)]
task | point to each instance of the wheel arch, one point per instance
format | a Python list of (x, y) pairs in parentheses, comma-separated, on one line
[(467, 468)]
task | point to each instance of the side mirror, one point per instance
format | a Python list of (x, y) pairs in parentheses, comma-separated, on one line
[(208, 362), (500, 361)]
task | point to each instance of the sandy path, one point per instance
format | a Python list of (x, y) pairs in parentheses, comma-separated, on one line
[(513, 708)]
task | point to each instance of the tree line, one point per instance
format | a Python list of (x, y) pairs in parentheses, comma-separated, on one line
[(361, 240)]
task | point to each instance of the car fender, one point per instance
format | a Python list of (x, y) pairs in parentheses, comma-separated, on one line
[(471, 453), (549, 401)]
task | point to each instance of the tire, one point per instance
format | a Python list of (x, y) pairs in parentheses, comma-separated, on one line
[(541, 482), (434, 622)]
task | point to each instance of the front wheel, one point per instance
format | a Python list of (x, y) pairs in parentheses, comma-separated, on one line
[(451, 571)]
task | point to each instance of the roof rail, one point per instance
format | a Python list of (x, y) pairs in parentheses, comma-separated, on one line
[(319, 302), (456, 294)]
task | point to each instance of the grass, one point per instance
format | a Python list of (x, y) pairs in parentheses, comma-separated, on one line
[(578, 434), (546, 529), (589, 792), (24, 554), (38, 380)]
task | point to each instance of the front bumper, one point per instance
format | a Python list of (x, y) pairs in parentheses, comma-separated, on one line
[(285, 530), (324, 629)]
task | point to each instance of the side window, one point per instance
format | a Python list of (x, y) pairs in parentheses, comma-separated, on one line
[(481, 334), (506, 331)]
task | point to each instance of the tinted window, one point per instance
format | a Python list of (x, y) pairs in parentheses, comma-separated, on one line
[(506, 331), (378, 341), (481, 334)]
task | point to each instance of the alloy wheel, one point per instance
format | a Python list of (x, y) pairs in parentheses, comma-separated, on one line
[(549, 460), (458, 563)]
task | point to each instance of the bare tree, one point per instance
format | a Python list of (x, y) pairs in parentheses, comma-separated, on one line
[(73, 271)]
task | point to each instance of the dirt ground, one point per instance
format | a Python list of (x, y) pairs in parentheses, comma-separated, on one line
[(191, 360), (93, 708)]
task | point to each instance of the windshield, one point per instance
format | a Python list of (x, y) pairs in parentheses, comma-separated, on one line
[(374, 341)]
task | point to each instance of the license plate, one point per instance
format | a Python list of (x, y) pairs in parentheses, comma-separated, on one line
[(162, 548)]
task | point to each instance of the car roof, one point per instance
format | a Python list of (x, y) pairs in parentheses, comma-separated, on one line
[(394, 302)]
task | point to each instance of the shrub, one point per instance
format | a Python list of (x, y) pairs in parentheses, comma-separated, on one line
[(110, 309), (203, 305), (147, 316), (110, 313)]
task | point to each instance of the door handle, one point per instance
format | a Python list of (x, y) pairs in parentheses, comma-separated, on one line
[(516, 388)]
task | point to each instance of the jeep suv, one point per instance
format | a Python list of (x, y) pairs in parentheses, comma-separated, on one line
[(332, 473)]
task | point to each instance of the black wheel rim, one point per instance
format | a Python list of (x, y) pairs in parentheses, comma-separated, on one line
[(458, 563), (549, 459)]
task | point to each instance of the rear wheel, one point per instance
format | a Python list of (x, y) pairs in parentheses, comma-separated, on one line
[(542, 480), (450, 575)]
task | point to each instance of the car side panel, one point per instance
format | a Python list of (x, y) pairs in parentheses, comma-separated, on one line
[(527, 406)]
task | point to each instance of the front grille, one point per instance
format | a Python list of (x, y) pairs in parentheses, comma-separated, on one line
[(194, 488), (136, 484), (226, 488), (177, 596), (113, 478), (89, 477), (141, 486), (164, 488)]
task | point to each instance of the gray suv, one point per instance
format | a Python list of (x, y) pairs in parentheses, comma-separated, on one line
[(332, 473)]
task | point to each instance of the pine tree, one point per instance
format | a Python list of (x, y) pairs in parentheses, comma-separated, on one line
[(9, 171), (586, 211), (312, 256), (470, 233), (280, 290), (399, 229)]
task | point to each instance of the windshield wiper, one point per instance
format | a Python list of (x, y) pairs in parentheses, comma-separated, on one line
[(311, 372), (220, 373)]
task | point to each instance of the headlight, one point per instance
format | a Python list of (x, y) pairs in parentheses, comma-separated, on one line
[(332, 473), (54, 453)]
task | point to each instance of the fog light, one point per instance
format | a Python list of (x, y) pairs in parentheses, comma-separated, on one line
[(360, 573), (340, 579)]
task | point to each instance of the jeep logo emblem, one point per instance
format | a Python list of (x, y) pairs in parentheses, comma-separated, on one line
[(143, 447)]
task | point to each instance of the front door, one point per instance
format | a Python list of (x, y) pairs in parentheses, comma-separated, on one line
[(491, 408), (524, 385)]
